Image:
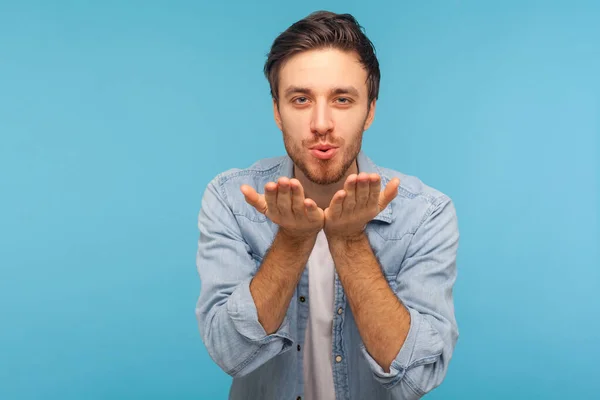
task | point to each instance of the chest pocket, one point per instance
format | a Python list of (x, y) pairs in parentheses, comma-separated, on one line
[(259, 236), (389, 248)]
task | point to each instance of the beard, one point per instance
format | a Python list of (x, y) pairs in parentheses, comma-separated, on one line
[(323, 172)]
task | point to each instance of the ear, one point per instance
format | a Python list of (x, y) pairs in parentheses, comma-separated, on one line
[(370, 115), (276, 114)]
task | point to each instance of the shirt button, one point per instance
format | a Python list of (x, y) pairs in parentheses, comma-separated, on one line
[(302, 299), (298, 347), (338, 359), (340, 311)]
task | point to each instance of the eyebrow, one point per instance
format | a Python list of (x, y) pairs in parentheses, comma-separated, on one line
[(335, 91)]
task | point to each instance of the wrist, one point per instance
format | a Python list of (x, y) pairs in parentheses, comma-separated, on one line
[(297, 239), (345, 239)]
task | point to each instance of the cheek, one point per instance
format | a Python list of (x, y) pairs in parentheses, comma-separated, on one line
[(296, 125), (349, 123), (293, 117)]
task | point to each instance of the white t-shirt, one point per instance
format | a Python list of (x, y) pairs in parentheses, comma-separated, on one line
[(318, 369)]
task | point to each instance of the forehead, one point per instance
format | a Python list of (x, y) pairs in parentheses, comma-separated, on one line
[(323, 69)]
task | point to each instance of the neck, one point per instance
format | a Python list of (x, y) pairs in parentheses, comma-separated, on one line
[(322, 194)]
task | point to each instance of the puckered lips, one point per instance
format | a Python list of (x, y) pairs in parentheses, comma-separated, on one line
[(323, 151)]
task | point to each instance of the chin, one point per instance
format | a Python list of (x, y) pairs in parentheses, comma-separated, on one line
[(325, 176)]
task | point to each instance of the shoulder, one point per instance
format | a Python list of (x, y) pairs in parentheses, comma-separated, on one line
[(266, 167), (413, 188), (416, 201), (228, 183)]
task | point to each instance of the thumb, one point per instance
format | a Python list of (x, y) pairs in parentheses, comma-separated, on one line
[(254, 199), (389, 193)]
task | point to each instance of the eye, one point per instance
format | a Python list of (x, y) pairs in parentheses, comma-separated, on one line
[(343, 100), (300, 100)]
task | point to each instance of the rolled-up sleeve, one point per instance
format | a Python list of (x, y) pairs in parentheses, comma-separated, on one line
[(424, 285), (226, 312)]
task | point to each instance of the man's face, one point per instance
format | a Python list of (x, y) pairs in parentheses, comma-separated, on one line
[(323, 112)]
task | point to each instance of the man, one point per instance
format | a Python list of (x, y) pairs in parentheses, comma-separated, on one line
[(323, 275)]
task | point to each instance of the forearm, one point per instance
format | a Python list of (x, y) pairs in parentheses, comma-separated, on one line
[(382, 320), (273, 285)]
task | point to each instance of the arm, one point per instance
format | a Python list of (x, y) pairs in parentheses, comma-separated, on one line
[(299, 220), (409, 335), (241, 320), (227, 316), (421, 344)]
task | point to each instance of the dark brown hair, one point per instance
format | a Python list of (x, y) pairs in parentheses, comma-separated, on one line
[(323, 29)]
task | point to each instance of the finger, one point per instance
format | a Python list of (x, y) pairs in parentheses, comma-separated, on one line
[(374, 189), (350, 198), (271, 197), (254, 199), (362, 190), (298, 206), (389, 193), (337, 205), (284, 199), (313, 212)]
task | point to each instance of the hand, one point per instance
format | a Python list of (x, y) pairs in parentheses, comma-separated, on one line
[(284, 204), (358, 203)]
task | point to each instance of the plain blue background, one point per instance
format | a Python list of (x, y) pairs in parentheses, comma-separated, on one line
[(115, 115)]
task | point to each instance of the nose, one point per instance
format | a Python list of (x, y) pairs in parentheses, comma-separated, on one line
[(321, 122)]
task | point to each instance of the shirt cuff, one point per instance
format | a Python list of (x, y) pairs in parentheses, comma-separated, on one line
[(423, 345), (242, 311)]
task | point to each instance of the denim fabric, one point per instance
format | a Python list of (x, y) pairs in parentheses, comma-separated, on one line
[(415, 240)]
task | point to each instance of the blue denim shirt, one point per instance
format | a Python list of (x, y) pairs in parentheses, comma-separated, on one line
[(415, 240)]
